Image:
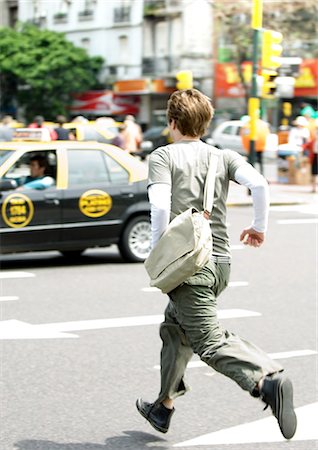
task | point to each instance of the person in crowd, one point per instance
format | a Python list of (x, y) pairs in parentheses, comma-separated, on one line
[(309, 113), (177, 174), (132, 134), (38, 122), (299, 133), (312, 148), (6, 130), (119, 140), (262, 133), (37, 178), (62, 134)]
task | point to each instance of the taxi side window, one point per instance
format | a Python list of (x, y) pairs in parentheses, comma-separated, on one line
[(21, 168), (86, 167), (117, 173)]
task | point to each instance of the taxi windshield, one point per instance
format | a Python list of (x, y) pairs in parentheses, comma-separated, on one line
[(4, 154)]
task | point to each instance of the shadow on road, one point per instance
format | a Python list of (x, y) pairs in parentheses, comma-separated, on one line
[(55, 259), (133, 440)]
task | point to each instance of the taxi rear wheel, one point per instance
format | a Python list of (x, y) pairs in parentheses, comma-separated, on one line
[(135, 242)]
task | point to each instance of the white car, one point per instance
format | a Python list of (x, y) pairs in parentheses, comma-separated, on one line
[(227, 135)]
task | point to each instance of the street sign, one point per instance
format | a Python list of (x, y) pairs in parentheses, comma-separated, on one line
[(285, 87), (290, 66)]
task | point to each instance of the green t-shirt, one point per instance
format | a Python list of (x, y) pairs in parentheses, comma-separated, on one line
[(184, 166)]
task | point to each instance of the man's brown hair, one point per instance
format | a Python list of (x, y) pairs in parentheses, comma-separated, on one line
[(191, 110)]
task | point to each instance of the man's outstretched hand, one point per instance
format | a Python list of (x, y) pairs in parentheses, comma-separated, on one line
[(251, 237)]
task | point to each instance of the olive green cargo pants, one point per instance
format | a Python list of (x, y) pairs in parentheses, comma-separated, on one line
[(191, 326)]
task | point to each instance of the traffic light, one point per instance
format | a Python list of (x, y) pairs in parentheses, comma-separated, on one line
[(287, 109), (271, 50), (184, 79), (269, 85)]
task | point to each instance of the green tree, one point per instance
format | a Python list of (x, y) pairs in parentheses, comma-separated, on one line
[(41, 70)]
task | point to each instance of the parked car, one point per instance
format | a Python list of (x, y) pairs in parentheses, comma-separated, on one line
[(227, 135), (99, 198), (153, 138)]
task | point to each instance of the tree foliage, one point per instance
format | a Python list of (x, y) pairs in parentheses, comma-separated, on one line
[(296, 20), (41, 70)]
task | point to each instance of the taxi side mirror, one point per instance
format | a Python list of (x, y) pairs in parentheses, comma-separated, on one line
[(8, 185)]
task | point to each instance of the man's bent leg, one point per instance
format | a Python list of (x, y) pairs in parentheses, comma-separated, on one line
[(196, 312), (175, 355)]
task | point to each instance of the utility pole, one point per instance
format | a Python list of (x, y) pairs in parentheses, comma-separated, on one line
[(254, 101)]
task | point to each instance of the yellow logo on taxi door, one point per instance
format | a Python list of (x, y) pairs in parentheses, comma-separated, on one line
[(17, 210), (95, 203)]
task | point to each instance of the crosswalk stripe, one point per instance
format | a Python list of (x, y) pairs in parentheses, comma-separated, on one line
[(280, 355), (8, 298), (15, 329), (304, 209), (7, 275), (263, 430), (296, 221)]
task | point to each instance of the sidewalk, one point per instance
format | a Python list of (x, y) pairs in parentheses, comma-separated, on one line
[(280, 194)]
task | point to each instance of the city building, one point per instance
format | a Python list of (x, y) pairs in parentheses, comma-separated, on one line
[(8, 13), (144, 43)]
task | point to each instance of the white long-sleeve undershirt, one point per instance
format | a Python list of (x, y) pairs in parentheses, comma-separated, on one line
[(249, 177), (160, 201)]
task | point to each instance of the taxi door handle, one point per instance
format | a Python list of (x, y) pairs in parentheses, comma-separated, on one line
[(51, 198), (126, 193)]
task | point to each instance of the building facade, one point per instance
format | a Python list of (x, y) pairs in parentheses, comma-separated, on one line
[(8, 13), (144, 42)]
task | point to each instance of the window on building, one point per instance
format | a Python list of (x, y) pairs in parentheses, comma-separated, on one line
[(122, 14), (13, 14), (123, 49), (85, 43), (87, 13)]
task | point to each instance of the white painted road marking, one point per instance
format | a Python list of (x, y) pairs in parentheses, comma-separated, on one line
[(264, 430), (296, 221), (231, 284), (238, 247), (304, 209), (8, 298), (238, 283), (15, 329), (7, 275), (280, 355), (292, 354)]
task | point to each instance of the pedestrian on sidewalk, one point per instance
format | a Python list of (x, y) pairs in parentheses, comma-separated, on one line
[(177, 174), (262, 133), (312, 148), (132, 135)]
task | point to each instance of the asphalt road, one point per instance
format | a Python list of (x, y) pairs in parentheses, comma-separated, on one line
[(70, 375)]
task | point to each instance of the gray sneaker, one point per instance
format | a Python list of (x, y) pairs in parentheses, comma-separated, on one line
[(277, 392)]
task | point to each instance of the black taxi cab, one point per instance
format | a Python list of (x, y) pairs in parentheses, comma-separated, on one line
[(98, 197)]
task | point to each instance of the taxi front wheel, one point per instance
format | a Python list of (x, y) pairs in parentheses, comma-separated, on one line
[(135, 242)]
